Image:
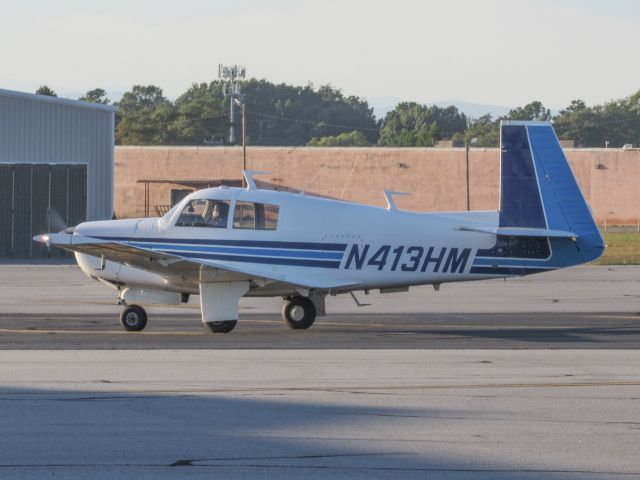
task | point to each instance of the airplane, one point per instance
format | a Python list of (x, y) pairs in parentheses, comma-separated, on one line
[(226, 243)]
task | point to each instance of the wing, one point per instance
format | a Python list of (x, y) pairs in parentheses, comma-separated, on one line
[(176, 267)]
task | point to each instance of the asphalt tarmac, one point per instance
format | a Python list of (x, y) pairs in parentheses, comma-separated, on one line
[(338, 414), (529, 378), (370, 331), (57, 307)]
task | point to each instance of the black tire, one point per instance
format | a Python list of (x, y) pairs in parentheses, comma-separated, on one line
[(221, 327), (133, 318), (299, 313)]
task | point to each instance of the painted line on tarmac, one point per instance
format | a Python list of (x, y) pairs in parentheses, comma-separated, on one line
[(435, 329), (334, 388), (98, 332)]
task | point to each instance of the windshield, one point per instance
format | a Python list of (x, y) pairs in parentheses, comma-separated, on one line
[(204, 213), (166, 218)]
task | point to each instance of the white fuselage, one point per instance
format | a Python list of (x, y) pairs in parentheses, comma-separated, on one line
[(322, 239)]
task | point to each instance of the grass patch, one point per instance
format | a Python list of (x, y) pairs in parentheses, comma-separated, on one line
[(623, 248)]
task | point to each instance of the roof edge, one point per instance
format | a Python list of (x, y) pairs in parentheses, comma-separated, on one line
[(60, 101)]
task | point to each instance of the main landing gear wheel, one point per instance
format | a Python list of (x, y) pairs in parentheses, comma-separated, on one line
[(221, 327), (133, 318), (299, 312)]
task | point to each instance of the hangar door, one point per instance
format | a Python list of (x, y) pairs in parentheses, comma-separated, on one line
[(38, 198)]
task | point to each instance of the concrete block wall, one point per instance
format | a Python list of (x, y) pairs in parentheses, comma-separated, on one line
[(435, 177)]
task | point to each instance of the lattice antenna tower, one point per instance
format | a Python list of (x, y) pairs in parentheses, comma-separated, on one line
[(232, 77)]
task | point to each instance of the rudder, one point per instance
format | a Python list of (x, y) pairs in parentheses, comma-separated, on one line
[(539, 190)]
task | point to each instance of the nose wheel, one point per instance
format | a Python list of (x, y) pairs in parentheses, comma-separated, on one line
[(133, 318), (299, 312)]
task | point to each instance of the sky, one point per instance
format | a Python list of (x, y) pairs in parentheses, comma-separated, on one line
[(494, 52)]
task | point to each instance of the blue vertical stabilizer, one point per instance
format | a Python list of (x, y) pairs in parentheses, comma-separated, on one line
[(539, 191)]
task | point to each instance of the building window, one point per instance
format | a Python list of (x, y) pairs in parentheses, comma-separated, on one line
[(178, 194), (255, 216), (204, 213)]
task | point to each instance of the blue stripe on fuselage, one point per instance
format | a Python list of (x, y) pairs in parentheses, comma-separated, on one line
[(264, 260), (179, 248), (333, 247)]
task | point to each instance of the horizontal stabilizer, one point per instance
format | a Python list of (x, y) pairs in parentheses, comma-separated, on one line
[(521, 232)]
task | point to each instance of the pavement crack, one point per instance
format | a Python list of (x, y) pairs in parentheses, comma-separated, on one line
[(196, 462)]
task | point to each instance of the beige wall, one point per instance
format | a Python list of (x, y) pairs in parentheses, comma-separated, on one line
[(435, 177)]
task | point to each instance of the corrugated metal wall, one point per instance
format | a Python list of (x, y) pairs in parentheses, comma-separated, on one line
[(35, 199), (36, 129)]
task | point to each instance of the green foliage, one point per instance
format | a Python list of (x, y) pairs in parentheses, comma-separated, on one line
[(276, 115), (280, 114), (97, 95), (200, 115), (485, 130), (531, 111), (413, 125), (44, 90), (144, 117), (289, 115), (616, 122), (351, 139)]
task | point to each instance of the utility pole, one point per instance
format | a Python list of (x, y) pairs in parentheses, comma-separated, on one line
[(467, 144), (232, 76), (244, 135)]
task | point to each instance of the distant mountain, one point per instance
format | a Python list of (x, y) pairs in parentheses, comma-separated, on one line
[(475, 110), (382, 105)]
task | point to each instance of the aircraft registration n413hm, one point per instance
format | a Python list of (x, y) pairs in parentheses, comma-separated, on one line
[(225, 243)]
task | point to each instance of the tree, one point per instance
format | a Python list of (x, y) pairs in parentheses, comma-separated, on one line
[(200, 114), (485, 130), (532, 111), (276, 115), (144, 117), (141, 97), (293, 115), (351, 139), (576, 106), (614, 123), (44, 90), (97, 95), (413, 125)]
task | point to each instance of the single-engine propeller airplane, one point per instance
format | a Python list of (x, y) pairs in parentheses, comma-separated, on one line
[(225, 243)]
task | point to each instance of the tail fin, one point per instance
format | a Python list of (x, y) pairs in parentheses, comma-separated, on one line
[(539, 192)]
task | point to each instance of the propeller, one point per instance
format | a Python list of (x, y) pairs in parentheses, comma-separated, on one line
[(56, 222)]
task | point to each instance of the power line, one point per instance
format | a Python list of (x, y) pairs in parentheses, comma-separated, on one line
[(309, 122)]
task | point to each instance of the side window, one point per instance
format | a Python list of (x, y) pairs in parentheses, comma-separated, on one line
[(255, 216), (244, 216), (268, 215), (204, 213)]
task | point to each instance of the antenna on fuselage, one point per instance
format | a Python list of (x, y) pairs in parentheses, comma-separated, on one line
[(248, 177), (391, 203)]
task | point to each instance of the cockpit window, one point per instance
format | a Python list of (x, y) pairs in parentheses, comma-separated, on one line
[(255, 216), (204, 213)]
